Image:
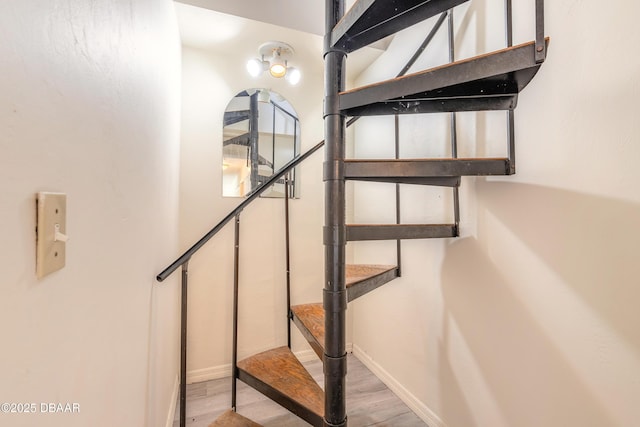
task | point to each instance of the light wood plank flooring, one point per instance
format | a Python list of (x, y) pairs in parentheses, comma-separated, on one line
[(369, 402)]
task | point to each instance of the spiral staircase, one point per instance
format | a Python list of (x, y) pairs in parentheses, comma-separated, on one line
[(491, 81)]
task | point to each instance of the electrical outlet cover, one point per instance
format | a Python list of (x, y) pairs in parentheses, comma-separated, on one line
[(52, 217)]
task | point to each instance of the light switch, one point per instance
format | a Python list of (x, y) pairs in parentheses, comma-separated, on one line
[(51, 234)]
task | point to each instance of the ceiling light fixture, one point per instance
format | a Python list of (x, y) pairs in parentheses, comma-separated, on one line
[(274, 57)]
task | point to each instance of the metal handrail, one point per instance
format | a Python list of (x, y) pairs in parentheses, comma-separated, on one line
[(250, 198)]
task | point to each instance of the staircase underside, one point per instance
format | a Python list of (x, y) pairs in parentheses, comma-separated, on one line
[(369, 20), (487, 82)]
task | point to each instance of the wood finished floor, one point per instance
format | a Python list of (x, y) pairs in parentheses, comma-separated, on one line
[(369, 402)]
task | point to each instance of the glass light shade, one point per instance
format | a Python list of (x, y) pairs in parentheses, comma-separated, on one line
[(255, 67), (293, 76), (278, 67)]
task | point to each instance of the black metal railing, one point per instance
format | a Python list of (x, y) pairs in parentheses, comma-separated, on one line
[(183, 262), (246, 202)]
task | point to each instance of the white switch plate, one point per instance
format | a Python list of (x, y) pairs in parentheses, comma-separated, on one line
[(50, 253)]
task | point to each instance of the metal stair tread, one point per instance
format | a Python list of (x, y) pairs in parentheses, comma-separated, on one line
[(369, 20), (494, 79), (242, 140), (360, 232), (233, 419), (446, 181), (398, 169), (279, 375), (233, 117)]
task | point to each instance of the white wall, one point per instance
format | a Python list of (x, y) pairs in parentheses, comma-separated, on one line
[(530, 317), (89, 101), (212, 75)]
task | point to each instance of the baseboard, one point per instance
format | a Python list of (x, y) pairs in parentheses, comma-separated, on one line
[(224, 371), (420, 409), (207, 374), (173, 402), (306, 355)]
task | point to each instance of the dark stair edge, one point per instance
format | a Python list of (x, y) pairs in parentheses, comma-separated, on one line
[(281, 399), (447, 181), (233, 117), (429, 106), (316, 344), (369, 20), (362, 232), (242, 140), (485, 66), (425, 168), (357, 289)]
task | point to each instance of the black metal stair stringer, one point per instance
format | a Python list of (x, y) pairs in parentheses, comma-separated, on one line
[(440, 168), (446, 181), (361, 232), (242, 140), (371, 20), (358, 286), (486, 82), (233, 117)]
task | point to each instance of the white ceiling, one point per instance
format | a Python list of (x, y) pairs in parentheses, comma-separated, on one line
[(301, 15), (242, 25)]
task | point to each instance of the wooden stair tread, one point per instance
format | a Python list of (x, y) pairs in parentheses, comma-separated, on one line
[(309, 318), (279, 375), (360, 279), (233, 419), (364, 278), (359, 272), (492, 77)]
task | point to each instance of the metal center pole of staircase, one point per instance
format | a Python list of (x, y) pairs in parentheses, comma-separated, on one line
[(335, 294)]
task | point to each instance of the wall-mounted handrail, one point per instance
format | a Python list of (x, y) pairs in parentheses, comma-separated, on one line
[(249, 198)]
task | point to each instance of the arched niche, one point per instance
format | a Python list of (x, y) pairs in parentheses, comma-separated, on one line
[(261, 133)]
